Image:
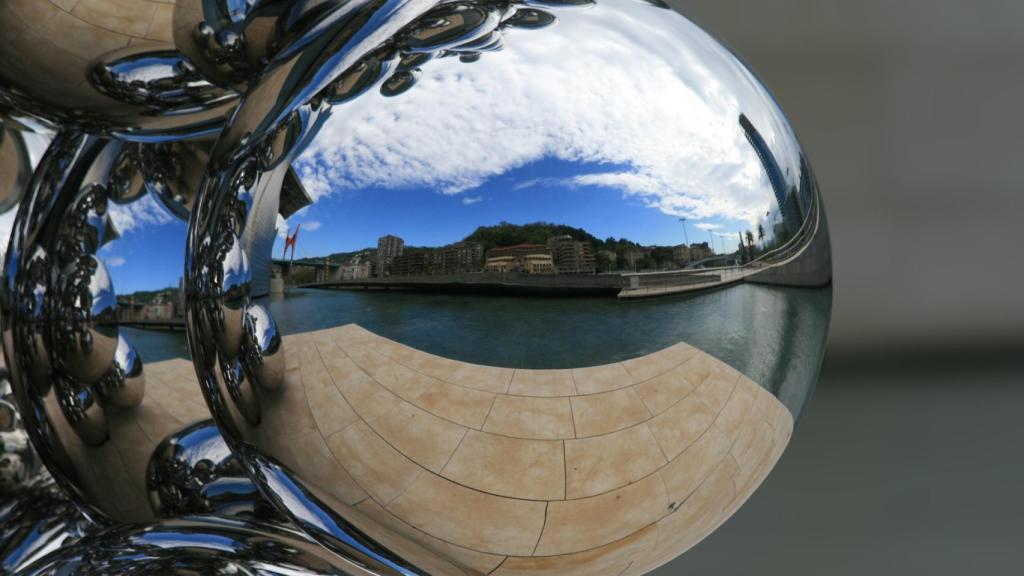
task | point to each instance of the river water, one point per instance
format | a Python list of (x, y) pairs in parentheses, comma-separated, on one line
[(774, 335)]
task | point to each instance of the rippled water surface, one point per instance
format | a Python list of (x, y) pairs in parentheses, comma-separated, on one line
[(773, 335)]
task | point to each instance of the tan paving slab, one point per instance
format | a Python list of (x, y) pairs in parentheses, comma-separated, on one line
[(657, 363), (486, 378), (716, 390), (80, 37), (513, 467), (466, 561), (131, 17), (329, 408), (596, 379), (578, 525), (608, 559), (691, 521), (751, 461), (698, 368), (597, 414), (424, 438), (162, 25), (458, 404), (603, 463), (286, 412), (469, 518), (471, 464), (543, 383), (688, 470), (662, 392), (155, 422), (679, 426), (530, 417), (312, 461), (364, 394), (379, 469), (65, 5), (739, 408)]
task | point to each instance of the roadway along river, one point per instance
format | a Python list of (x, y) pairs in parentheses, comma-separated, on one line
[(768, 333)]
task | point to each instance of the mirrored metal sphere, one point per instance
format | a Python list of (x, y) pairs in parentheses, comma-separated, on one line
[(113, 429), (105, 67), (467, 287), (36, 519), (551, 296), (15, 167), (212, 545)]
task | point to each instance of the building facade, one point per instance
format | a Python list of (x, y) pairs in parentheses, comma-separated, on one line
[(459, 258), (528, 258), (572, 256), (681, 255), (700, 251), (388, 248)]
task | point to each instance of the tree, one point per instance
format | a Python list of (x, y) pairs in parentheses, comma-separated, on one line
[(760, 233)]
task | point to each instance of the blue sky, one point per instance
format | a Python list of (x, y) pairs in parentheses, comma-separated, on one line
[(150, 256), (147, 257), (638, 130), (539, 191)]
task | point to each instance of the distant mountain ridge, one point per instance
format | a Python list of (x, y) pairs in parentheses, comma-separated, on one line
[(507, 234)]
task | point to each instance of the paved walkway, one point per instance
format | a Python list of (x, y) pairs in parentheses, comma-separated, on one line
[(611, 469), (604, 470)]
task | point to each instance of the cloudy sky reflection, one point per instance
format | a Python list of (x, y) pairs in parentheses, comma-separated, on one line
[(622, 97)]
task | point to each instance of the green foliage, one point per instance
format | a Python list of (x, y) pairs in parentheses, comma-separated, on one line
[(506, 234), (149, 296)]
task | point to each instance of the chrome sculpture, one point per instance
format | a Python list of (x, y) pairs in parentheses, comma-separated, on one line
[(395, 460), (192, 546)]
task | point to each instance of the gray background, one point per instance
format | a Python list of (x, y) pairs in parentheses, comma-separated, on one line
[(908, 459)]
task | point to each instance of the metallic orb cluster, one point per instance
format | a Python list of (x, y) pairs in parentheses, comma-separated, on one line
[(342, 451)]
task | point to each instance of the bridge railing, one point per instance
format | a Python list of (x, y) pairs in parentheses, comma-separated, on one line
[(654, 281)]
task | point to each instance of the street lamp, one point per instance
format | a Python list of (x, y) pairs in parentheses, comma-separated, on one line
[(685, 235)]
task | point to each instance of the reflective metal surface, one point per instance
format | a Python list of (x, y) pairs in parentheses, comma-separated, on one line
[(544, 148), (624, 111), (36, 520), (193, 472), (15, 167), (106, 68), (18, 461), (192, 546)]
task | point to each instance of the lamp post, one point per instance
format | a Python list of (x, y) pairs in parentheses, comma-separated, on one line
[(685, 235)]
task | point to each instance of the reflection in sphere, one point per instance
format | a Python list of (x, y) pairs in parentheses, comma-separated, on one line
[(474, 287), (105, 67), (194, 546), (547, 298), (97, 410), (193, 472), (36, 519)]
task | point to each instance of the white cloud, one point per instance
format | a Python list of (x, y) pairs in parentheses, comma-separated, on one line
[(282, 227), (311, 226), (622, 85), (6, 227), (470, 200), (115, 262), (146, 211), (707, 226)]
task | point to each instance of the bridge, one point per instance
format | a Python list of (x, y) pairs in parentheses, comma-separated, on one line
[(325, 270), (803, 260), (487, 282)]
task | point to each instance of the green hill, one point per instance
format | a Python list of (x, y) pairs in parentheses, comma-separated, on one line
[(506, 234)]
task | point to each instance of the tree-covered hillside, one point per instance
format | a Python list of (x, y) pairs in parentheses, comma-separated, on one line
[(506, 234)]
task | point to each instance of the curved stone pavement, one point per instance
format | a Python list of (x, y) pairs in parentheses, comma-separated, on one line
[(612, 469)]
